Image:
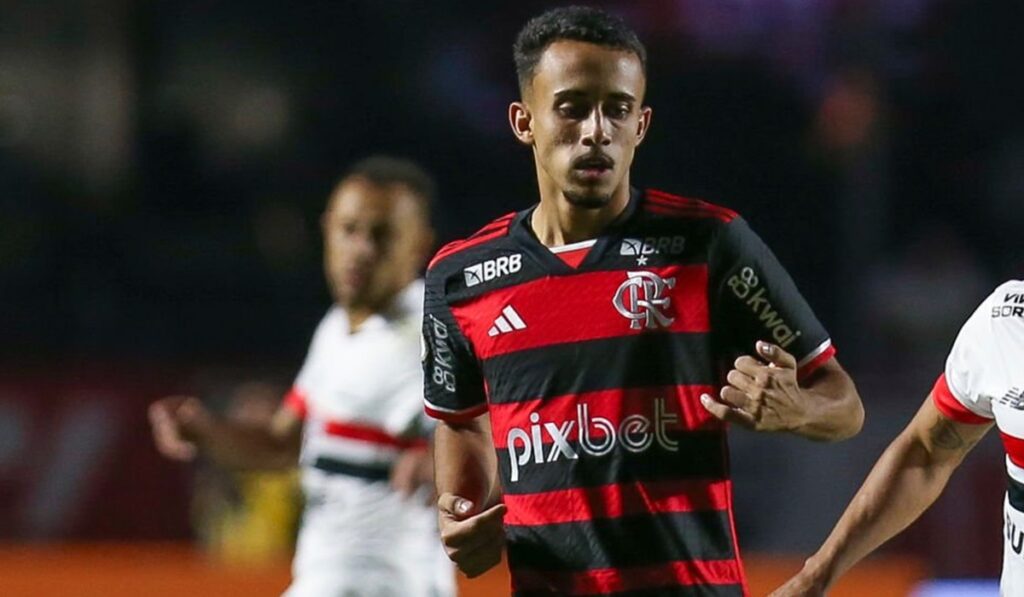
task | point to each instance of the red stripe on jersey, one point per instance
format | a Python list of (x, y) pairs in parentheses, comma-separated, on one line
[(663, 199), (484, 320), (295, 400), (495, 229), (461, 416), (635, 578), (614, 501), (952, 408), (682, 412), (575, 257), (683, 213), (372, 435), (1014, 447), (815, 363)]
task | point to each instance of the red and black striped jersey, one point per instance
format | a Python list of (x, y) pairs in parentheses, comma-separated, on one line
[(615, 477)]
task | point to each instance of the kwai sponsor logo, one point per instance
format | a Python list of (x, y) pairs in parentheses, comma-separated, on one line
[(747, 287)]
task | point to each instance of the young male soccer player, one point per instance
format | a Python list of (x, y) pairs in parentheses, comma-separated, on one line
[(357, 401), (981, 386), (572, 350)]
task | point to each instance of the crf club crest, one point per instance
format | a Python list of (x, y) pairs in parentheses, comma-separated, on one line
[(643, 301)]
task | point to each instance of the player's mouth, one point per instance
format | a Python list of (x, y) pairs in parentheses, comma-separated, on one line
[(593, 167)]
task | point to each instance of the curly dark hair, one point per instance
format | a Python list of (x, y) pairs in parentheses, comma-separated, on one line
[(576, 23)]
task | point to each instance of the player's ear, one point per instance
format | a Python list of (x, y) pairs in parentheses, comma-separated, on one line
[(643, 123), (521, 121)]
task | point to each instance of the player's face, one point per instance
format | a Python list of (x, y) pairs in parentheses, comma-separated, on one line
[(375, 240), (584, 118)]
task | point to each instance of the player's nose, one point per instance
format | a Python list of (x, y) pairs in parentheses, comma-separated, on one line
[(595, 130)]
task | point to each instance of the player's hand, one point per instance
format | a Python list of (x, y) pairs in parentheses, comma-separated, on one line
[(413, 469), (472, 539), (762, 394), (177, 421), (800, 585)]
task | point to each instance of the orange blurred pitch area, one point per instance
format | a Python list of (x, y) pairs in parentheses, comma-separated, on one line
[(173, 570)]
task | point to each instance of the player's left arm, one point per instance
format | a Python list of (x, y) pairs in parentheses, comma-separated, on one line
[(766, 394), (787, 377)]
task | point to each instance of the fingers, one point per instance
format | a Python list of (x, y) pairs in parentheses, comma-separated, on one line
[(745, 383), (475, 542), (724, 412), (736, 398), (454, 506), (167, 431), (776, 355)]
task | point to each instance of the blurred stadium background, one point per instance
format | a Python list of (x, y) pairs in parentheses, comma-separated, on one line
[(163, 166)]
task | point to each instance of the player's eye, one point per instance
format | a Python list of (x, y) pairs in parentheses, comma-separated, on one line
[(573, 110), (619, 110)]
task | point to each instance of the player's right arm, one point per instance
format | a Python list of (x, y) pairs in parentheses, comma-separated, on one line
[(465, 471), (465, 464), (904, 482), (183, 428)]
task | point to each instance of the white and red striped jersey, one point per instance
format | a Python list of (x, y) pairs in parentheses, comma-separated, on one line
[(983, 383), (360, 394)]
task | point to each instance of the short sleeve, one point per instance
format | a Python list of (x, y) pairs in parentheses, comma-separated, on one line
[(754, 298), (297, 398), (988, 348), (295, 401), (453, 383)]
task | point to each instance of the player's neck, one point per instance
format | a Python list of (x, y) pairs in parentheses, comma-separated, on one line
[(357, 316), (557, 222)]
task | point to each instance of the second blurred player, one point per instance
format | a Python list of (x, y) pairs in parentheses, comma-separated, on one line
[(357, 401)]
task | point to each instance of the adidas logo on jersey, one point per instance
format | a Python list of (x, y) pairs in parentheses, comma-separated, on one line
[(485, 271), (509, 321)]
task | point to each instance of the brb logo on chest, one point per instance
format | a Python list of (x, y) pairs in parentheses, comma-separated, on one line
[(592, 436), (642, 300), (492, 269)]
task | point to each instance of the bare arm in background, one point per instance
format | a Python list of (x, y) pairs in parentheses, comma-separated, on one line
[(905, 481), (183, 427), (465, 472)]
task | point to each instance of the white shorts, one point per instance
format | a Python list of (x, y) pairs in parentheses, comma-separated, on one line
[(361, 539)]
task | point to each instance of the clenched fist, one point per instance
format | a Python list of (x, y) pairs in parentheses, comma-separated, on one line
[(472, 539)]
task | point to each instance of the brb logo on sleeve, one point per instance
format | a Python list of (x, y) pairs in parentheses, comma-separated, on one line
[(588, 435), (492, 269)]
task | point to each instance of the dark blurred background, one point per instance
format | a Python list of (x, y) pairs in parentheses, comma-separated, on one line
[(163, 166)]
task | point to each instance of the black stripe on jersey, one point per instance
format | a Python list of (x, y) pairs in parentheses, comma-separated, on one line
[(690, 591), (368, 472), (1015, 493), (620, 542), (701, 455), (646, 360)]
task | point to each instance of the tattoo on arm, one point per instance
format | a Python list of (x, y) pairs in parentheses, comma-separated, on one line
[(944, 435)]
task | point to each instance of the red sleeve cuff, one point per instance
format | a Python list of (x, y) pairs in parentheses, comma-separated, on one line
[(814, 364), (952, 408), (459, 416), (295, 400)]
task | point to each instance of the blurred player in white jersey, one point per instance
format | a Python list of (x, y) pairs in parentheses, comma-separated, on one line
[(356, 406), (983, 384)]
